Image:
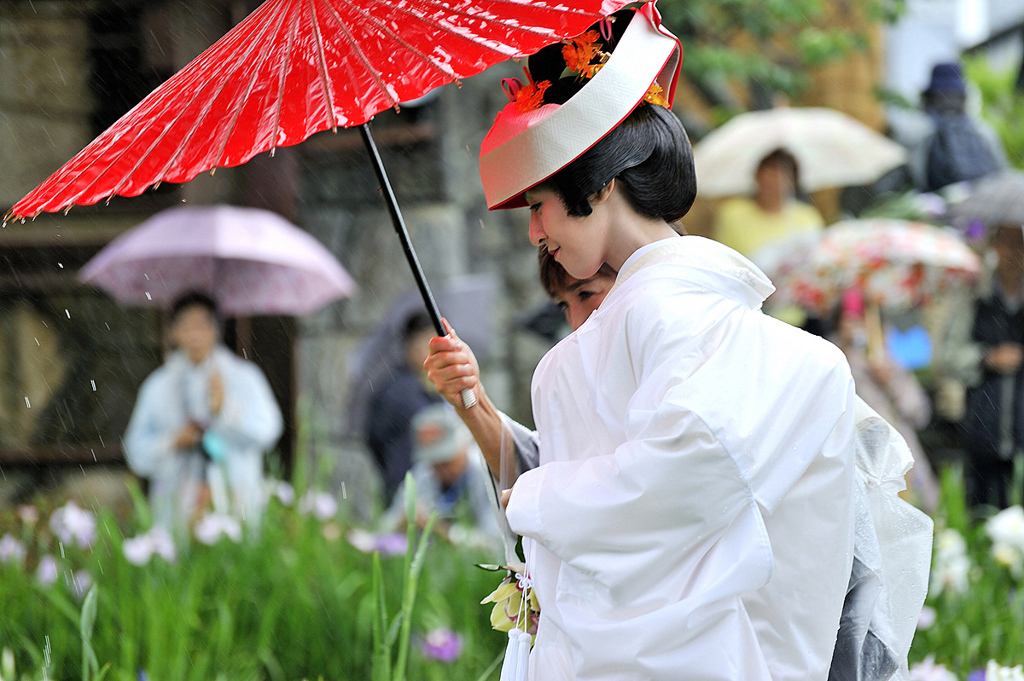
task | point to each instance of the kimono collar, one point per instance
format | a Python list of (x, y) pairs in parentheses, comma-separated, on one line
[(717, 266)]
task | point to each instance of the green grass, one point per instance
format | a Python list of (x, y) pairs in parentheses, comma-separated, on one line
[(291, 603)]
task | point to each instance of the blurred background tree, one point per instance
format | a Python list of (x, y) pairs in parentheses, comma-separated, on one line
[(749, 54), (1002, 103)]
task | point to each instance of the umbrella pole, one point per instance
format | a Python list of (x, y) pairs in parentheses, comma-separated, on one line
[(468, 397)]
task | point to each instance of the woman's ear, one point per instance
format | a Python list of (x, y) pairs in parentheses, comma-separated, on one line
[(602, 194)]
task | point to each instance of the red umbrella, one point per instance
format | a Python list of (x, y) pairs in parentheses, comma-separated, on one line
[(294, 68), (297, 67)]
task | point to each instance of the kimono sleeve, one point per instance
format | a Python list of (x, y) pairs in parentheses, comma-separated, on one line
[(669, 506), (148, 441), (250, 416)]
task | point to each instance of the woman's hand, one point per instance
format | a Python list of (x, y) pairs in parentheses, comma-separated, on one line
[(188, 436), (452, 368), (216, 394)]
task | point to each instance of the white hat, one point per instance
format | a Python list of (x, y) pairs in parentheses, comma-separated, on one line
[(438, 434), (527, 145)]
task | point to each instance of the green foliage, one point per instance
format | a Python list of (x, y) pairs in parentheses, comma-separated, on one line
[(293, 601), (772, 42), (1001, 105), (986, 621)]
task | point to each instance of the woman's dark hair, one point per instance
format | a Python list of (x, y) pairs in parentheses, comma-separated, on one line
[(783, 158), (553, 276), (417, 322), (195, 299), (650, 156)]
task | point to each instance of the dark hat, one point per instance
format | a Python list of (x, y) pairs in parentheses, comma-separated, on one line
[(947, 78)]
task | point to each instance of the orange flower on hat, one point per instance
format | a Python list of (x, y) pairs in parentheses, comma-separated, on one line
[(578, 52), (654, 96), (531, 95)]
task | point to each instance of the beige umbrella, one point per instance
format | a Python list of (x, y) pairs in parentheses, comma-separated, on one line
[(831, 148)]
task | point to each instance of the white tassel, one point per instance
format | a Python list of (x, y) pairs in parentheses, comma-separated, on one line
[(509, 666), (522, 666)]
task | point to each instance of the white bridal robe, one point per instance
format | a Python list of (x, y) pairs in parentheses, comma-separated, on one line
[(693, 513)]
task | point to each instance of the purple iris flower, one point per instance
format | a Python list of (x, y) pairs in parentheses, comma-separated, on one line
[(443, 645)]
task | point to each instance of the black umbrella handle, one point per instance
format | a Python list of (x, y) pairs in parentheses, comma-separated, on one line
[(468, 396)]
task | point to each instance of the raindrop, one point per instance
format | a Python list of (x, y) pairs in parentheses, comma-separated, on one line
[(36, 340), (184, 200), (146, 276), (106, 325), (344, 492), (244, 354), (93, 383), (61, 545), (148, 297), (60, 265), (27, 403), (67, 313), (94, 455)]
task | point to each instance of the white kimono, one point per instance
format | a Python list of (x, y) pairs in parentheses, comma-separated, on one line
[(693, 514), (249, 423)]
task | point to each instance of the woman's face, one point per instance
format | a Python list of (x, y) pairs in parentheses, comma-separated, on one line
[(573, 242), (195, 332), (580, 298)]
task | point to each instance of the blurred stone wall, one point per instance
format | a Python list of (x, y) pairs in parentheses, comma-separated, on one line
[(430, 154)]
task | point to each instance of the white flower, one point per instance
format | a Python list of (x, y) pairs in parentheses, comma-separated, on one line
[(46, 573), (284, 492), (362, 540), (7, 664), (157, 541), (926, 619), (927, 670), (1007, 527), (74, 525), (212, 527), (11, 550), (137, 550), (994, 672), (79, 583), (322, 505), (29, 514), (163, 544), (1010, 557), (470, 537), (951, 566)]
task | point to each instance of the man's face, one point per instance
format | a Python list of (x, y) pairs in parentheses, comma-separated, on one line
[(417, 348), (1008, 243), (775, 179), (195, 332), (581, 297), (449, 472)]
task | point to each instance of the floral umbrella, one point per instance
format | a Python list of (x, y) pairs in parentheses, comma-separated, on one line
[(897, 264)]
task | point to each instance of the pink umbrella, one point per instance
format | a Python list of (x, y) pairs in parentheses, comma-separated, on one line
[(250, 261)]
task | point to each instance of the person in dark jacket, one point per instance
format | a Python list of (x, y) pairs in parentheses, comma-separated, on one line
[(993, 425), (395, 403), (946, 144)]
